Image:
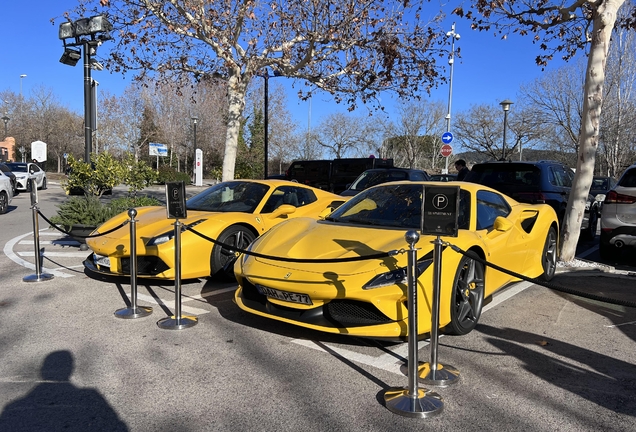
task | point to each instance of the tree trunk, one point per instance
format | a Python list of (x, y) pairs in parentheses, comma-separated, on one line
[(603, 24), (236, 90)]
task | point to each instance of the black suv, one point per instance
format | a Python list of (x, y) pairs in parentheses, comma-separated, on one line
[(377, 176), (536, 182)]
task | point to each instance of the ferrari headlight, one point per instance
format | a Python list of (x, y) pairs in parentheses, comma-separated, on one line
[(167, 236), (160, 239), (398, 276)]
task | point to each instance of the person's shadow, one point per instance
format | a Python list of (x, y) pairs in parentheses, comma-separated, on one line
[(57, 405)]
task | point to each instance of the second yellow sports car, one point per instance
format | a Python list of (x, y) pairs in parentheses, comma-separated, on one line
[(369, 297), (233, 213)]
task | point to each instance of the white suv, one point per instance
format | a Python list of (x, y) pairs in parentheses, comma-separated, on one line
[(6, 192), (618, 219)]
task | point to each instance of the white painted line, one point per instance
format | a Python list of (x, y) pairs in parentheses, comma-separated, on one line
[(53, 242), (188, 309), (8, 251), (69, 254), (212, 293), (392, 362), (622, 324)]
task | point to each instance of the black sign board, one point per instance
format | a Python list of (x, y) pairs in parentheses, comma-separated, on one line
[(175, 200), (439, 210)]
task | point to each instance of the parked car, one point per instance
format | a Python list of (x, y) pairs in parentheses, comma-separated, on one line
[(529, 182), (367, 298), (601, 185), (443, 177), (618, 219), (6, 192), (333, 175), (233, 212), (377, 176), (14, 182), (25, 171)]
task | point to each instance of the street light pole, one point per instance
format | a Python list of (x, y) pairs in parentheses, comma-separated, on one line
[(451, 61), (266, 125), (21, 76), (194, 141), (5, 119), (505, 105), (88, 132)]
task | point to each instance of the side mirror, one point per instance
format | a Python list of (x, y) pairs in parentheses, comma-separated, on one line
[(502, 224), (283, 210), (326, 212)]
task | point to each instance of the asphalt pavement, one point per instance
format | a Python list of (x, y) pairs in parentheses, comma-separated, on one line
[(539, 360)]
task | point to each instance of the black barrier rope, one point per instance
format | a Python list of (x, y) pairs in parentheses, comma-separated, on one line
[(81, 236), (545, 284), (297, 260)]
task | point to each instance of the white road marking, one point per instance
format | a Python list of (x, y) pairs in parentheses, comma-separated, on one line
[(189, 309), (394, 360), (8, 251), (69, 254)]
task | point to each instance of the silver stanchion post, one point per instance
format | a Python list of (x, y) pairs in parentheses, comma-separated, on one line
[(434, 373), (412, 401), (133, 311), (38, 276), (177, 322)]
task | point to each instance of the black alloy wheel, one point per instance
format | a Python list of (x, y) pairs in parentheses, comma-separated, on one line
[(549, 255), (223, 258), (467, 298)]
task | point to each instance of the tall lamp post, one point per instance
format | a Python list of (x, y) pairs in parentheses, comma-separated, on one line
[(87, 33), (21, 77), (266, 77), (5, 119), (505, 105), (194, 119), (451, 61)]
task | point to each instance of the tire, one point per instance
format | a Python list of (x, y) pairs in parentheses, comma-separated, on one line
[(43, 184), (589, 233), (467, 298), (549, 255), (222, 259), (4, 202)]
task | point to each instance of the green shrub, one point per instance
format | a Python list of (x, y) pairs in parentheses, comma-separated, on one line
[(167, 174), (89, 210), (119, 205), (86, 210)]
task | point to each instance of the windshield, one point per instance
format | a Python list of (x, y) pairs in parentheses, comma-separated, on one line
[(234, 196), (390, 206), (17, 167)]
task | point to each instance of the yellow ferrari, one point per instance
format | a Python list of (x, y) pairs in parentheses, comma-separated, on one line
[(234, 213), (368, 298)]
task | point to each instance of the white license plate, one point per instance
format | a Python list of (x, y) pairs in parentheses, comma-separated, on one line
[(284, 295), (101, 260)]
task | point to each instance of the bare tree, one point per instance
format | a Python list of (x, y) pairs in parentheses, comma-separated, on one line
[(565, 28), (339, 134), (352, 49), (416, 133)]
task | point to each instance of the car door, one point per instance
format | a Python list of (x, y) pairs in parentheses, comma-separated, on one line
[(505, 239), (296, 196)]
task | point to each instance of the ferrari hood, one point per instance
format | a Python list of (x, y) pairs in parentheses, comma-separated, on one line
[(306, 238)]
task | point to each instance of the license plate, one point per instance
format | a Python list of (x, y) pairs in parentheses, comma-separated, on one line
[(101, 260), (284, 295)]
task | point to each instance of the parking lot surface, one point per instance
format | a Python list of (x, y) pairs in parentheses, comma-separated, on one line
[(539, 360)]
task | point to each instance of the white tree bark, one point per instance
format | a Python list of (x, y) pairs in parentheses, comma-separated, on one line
[(602, 26)]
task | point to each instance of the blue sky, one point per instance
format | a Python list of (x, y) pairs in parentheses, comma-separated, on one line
[(489, 71)]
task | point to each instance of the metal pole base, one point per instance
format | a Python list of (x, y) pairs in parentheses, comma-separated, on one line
[(131, 312), (425, 404), (35, 278), (172, 323), (444, 376)]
